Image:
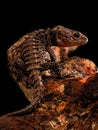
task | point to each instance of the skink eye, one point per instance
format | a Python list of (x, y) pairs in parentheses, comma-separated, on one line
[(76, 35)]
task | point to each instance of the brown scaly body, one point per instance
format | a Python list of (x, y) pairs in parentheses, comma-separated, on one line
[(29, 57)]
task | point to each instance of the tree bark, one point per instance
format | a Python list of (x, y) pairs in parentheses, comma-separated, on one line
[(69, 104)]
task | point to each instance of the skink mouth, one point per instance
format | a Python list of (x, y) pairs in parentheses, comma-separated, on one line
[(85, 39)]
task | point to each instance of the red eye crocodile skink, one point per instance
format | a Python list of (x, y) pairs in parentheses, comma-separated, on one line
[(31, 46)]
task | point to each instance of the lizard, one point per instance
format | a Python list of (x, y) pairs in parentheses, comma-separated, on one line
[(32, 47)]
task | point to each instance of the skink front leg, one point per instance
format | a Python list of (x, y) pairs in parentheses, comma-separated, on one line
[(56, 68)]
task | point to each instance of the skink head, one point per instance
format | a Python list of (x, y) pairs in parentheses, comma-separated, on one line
[(65, 37)]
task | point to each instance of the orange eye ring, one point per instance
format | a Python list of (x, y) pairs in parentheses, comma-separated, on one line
[(77, 35)]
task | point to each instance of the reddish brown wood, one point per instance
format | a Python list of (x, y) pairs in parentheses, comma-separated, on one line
[(68, 104)]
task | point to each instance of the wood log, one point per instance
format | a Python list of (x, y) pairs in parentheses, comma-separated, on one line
[(69, 104)]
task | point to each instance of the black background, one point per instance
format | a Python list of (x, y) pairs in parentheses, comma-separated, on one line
[(16, 19)]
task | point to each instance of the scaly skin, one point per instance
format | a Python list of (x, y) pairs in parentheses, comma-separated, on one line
[(32, 45)]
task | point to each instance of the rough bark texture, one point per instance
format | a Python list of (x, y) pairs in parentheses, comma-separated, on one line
[(69, 104)]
